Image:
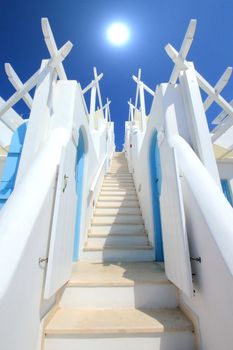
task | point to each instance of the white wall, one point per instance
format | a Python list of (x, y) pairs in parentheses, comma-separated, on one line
[(212, 303), (25, 220)]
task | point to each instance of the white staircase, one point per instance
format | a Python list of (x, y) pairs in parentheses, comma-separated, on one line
[(117, 232), (117, 298)]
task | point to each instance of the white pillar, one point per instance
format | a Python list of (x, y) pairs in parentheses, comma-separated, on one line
[(197, 123)]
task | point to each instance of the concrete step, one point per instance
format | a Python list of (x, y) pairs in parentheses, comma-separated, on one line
[(117, 192), (117, 211), (119, 219), (114, 198), (122, 204), (118, 229), (122, 285), (119, 329), (120, 240), (100, 253), (118, 188), (126, 176), (118, 184)]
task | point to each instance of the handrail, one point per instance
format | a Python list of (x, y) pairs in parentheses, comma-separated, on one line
[(214, 207), (94, 182)]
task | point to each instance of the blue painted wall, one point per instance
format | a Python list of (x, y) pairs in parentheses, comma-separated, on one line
[(155, 174), (227, 190), (7, 183), (79, 172)]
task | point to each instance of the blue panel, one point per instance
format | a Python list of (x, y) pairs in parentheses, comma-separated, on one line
[(12, 163), (155, 174), (227, 191), (79, 170)]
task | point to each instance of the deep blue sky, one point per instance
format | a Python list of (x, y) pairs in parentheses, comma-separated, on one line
[(152, 23)]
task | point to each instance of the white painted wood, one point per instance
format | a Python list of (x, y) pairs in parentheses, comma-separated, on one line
[(36, 78), (149, 90), (62, 232), (199, 131), (219, 87), (185, 47), (175, 242), (89, 86), (137, 90), (98, 88), (51, 45), (17, 83)]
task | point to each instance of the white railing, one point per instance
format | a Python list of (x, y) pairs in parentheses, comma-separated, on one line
[(214, 207), (95, 180)]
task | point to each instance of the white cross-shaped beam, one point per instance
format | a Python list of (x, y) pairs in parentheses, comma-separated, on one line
[(185, 47), (52, 47), (98, 88), (218, 87), (137, 91), (17, 83)]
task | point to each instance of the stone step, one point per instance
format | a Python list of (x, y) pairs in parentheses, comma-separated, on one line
[(107, 254), (119, 285), (119, 329), (116, 211), (120, 204), (120, 199), (118, 188), (119, 219), (117, 192), (119, 240), (118, 229)]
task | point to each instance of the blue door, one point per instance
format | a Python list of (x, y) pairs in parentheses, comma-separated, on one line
[(10, 170), (227, 190), (79, 170), (155, 175)]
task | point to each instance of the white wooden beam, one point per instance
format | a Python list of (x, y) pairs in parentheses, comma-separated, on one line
[(35, 78), (137, 90), (185, 47), (52, 47), (17, 83), (219, 87), (149, 90), (204, 85), (221, 117), (98, 88), (89, 86)]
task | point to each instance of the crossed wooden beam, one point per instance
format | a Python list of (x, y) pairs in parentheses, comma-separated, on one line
[(179, 58), (57, 56)]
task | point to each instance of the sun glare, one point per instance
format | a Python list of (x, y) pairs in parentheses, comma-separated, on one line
[(118, 34)]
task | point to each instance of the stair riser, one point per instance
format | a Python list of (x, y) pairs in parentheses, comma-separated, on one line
[(159, 341), (111, 255), (122, 241), (117, 198), (125, 229), (119, 211), (118, 187), (117, 192), (127, 220), (157, 296), (124, 204)]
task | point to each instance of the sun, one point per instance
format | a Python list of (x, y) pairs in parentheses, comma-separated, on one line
[(118, 33)]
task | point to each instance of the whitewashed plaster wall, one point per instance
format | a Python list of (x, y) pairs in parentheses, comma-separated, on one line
[(211, 307), (28, 213)]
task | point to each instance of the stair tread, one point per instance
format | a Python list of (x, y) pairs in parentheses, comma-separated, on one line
[(99, 247), (117, 274), (118, 321)]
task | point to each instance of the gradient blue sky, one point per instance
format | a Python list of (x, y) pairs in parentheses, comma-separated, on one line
[(152, 23)]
